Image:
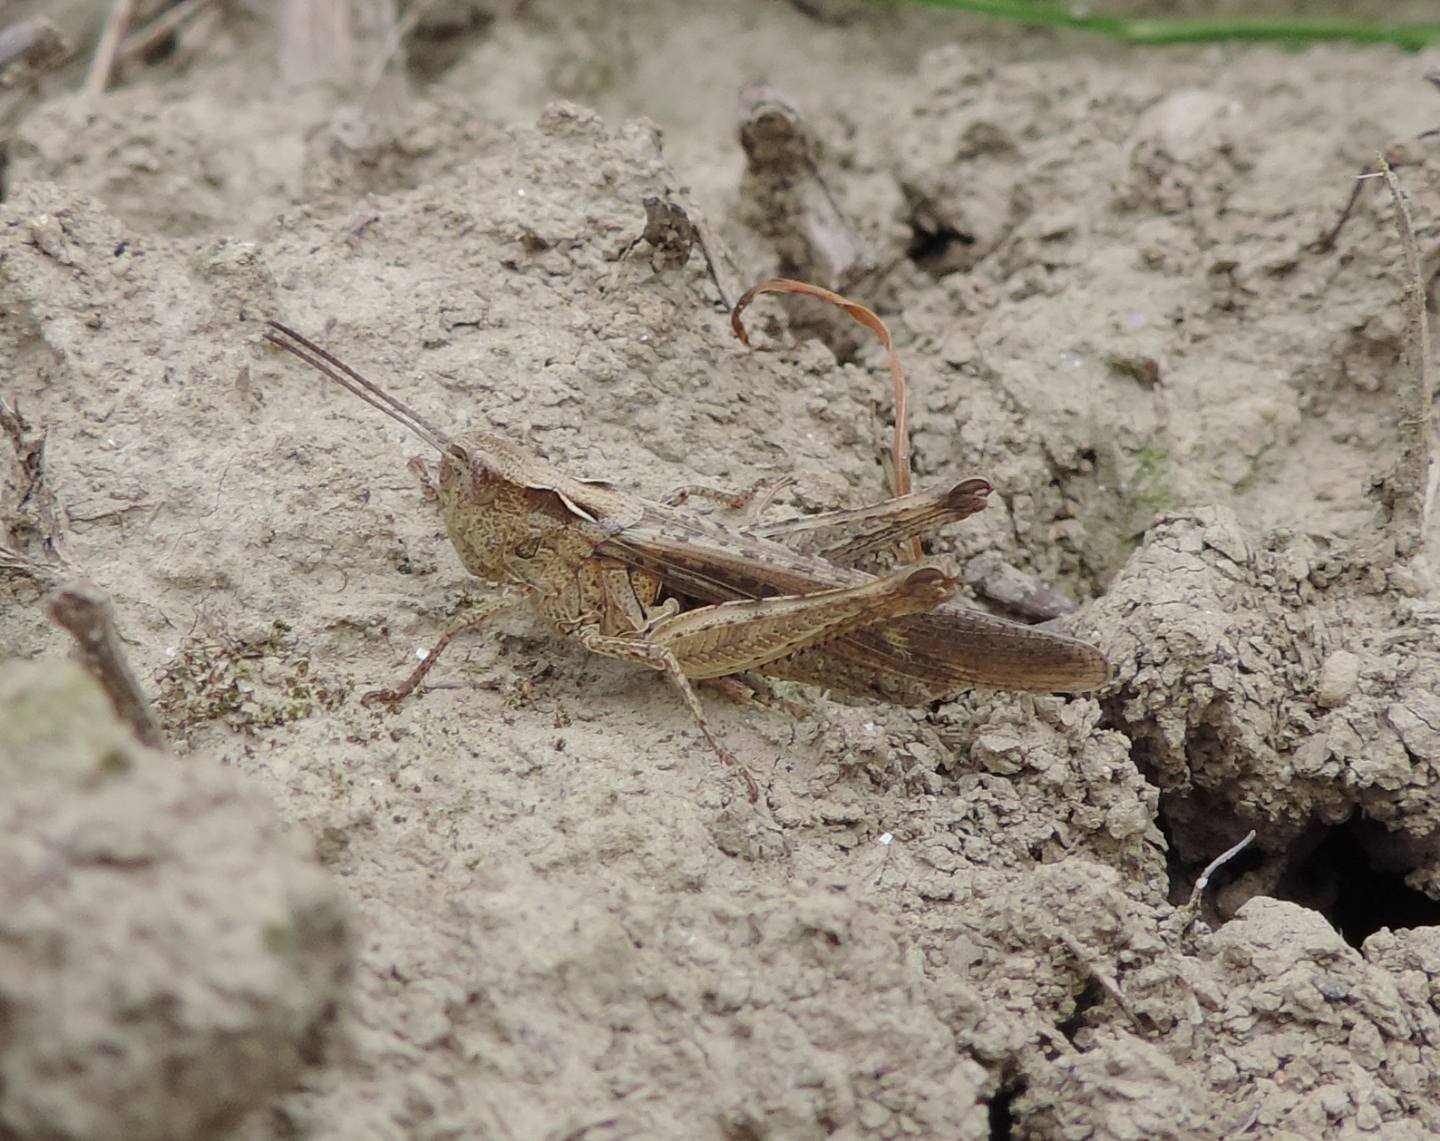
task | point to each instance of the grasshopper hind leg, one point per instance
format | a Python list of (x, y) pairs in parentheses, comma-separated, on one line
[(733, 637)]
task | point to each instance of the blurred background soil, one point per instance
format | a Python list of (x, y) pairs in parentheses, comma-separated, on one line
[(546, 912)]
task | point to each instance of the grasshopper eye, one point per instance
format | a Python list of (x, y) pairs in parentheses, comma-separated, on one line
[(468, 473), (529, 548), (485, 485)]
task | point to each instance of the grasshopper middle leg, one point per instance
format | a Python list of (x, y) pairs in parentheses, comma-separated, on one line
[(658, 657)]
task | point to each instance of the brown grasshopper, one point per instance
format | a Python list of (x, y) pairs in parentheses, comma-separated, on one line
[(641, 581)]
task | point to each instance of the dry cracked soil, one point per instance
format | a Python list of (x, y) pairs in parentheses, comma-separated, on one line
[(529, 903)]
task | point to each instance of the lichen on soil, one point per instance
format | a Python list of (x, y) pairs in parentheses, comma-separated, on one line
[(545, 912)]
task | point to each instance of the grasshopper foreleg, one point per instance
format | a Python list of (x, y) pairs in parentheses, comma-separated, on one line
[(394, 696)]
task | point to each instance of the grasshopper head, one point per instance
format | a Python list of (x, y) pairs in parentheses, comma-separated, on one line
[(483, 477), (480, 505)]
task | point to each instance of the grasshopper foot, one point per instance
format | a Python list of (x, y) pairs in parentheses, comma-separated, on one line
[(752, 790), (393, 697), (390, 697)]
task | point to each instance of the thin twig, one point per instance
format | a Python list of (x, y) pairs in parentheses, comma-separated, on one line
[(44, 576), (35, 511), (1412, 469), (1210, 869), (103, 63), (900, 443), (394, 40), (1327, 240), (86, 613), (1101, 976)]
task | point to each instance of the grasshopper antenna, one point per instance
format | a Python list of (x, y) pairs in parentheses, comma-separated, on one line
[(350, 380)]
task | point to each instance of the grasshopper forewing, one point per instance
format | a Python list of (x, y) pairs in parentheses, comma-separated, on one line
[(911, 660), (637, 580)]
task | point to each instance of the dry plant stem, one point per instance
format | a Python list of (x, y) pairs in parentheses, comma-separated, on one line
[(43, 576), (1394, 156), (394, 40), (85, 612), (317, 41), (1193, 906), (36, 509), (713, 270), (103, 63), (900, 442), (1327, 240), (1103, 977), (1413, 466), (814, 237)]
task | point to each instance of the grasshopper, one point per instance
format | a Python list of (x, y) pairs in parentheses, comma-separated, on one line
[(641, 581)]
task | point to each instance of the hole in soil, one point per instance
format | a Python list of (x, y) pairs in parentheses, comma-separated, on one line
[(161, 50), (1002, 1118), (442, 36), (740, 1131), (936, 246), (1354, 875), (1092, 996), (1204, 748), (1197, 827)]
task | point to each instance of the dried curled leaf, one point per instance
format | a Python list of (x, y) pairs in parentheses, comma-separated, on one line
[(900, 443)]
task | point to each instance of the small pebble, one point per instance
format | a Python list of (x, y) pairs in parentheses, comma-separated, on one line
[(1339, 675)]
